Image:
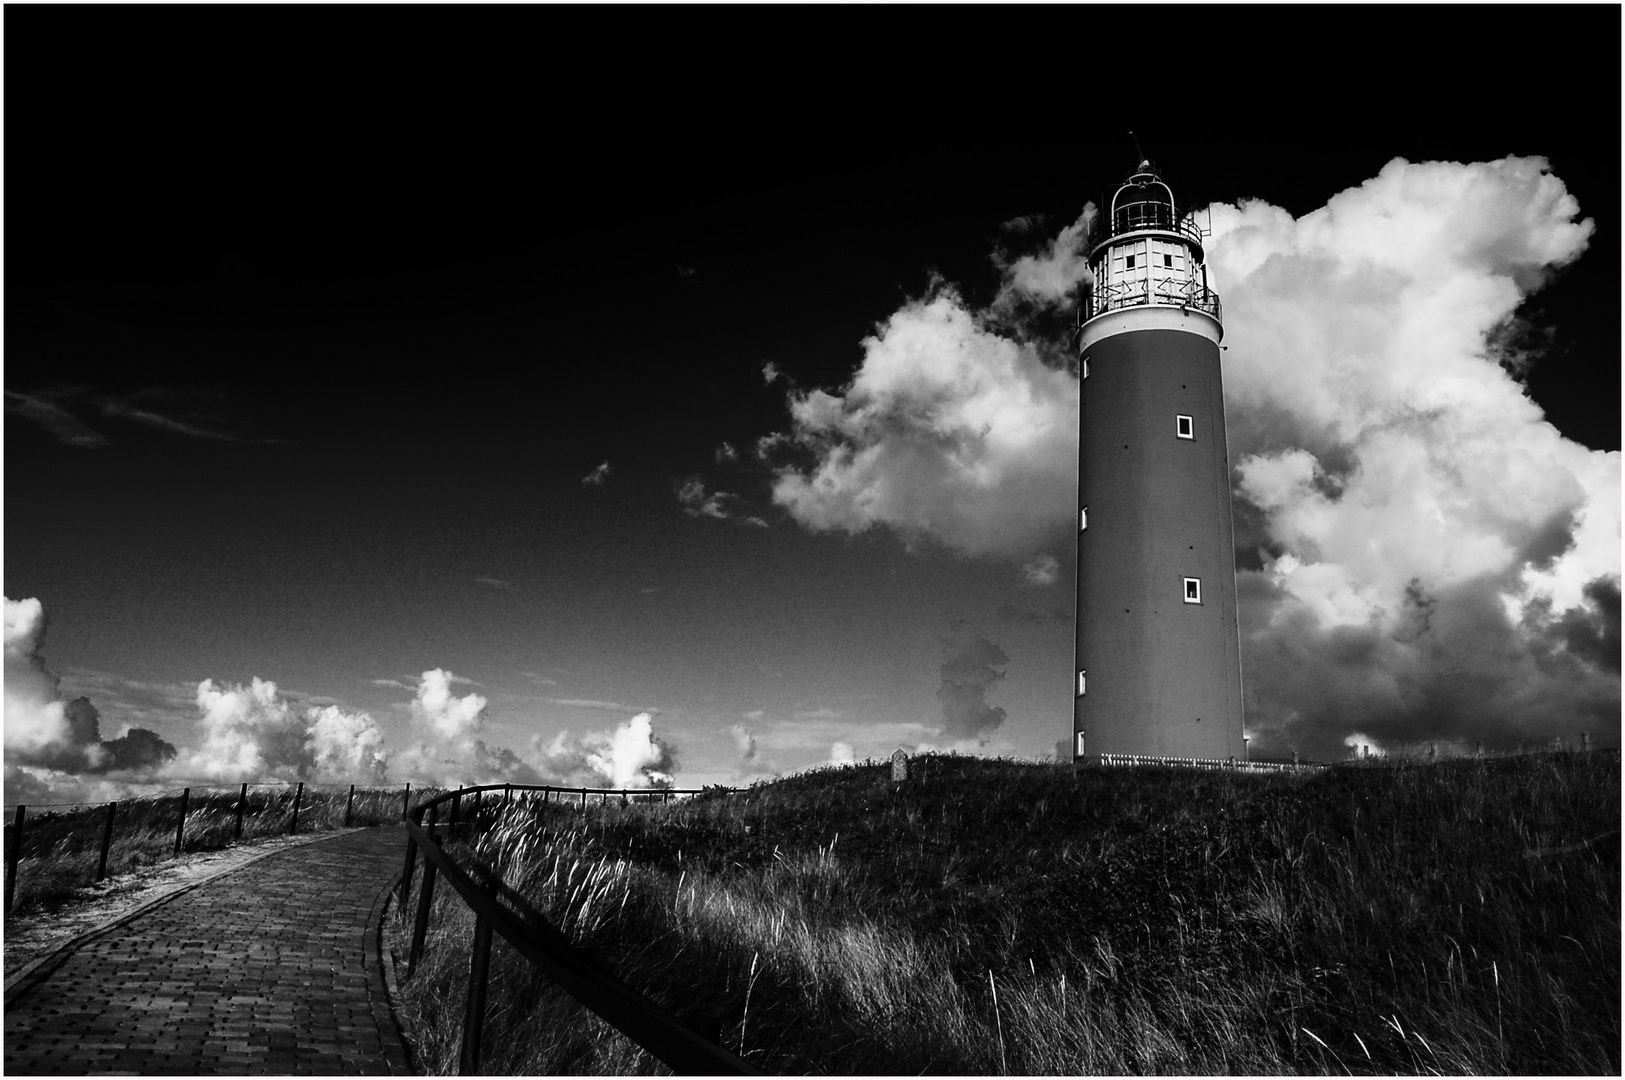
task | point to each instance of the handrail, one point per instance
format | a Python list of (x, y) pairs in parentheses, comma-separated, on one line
[(452, 796), (632, 1013)]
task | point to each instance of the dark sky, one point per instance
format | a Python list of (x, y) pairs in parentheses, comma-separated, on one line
[(317, 317)]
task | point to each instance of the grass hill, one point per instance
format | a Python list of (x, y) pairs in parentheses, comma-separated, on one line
[(1002, 917)]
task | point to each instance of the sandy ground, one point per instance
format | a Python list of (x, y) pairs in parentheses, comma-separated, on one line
[(32, 936)]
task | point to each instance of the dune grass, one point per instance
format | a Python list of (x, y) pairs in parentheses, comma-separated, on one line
[(60, 849), (997, 917)]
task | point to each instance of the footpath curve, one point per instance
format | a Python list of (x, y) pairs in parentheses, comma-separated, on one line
[(271, 968)]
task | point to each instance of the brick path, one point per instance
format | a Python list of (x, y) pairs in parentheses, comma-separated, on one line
[(272, 968)]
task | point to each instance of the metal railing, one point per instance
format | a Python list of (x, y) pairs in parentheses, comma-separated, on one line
[(1162, 292), (502, 910), (1148, 214), (1226, 764)]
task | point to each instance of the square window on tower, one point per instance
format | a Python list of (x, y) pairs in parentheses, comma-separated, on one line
[(1183, 427), (1079, 749), (1128, 263), (1080, 683), (1167, 260), (1193, 590)]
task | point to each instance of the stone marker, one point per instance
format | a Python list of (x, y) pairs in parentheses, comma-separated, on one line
[(899, 765)]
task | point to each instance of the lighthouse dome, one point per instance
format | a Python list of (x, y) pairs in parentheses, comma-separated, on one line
[(1143, 202)]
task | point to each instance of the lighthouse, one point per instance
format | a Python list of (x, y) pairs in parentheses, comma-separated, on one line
[(1158, 664)]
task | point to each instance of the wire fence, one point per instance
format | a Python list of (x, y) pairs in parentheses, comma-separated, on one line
[(70, 845)]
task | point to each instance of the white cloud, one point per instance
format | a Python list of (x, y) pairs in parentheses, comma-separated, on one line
[(598, 476), (449, 716), (1426, 532), (253, 733), (629, 756), (948, 431), (34, 719), (1051, 277)]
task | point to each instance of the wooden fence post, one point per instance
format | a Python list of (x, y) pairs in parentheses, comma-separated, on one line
[(583, 800), (411, 865), (420, 925), (406, 799), (180, 826), (348, 803), (507, 795), (479, 970), (107, 841), (242, 802), (456, 802), (298, 794), (15, 829)]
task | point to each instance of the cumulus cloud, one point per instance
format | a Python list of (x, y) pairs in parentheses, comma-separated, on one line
[(1435, 560), (447, 715), (841, 753), (949, 431), (630, 756), (598, 476), (254, 733), (752, 763), (45, 732), (971, 666), (1050, 277)]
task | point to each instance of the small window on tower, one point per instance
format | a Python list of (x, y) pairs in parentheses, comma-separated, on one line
[(1083, 518), (1079, 750), (1128, 262), (1080, 683), (1167, 260), (1193, 590), (1085, 367), (1182, 427)]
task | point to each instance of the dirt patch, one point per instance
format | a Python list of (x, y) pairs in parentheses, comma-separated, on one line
[(29, 937)]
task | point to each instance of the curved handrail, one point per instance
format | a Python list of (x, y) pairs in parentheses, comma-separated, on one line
[(416, 812), (628, 1011)]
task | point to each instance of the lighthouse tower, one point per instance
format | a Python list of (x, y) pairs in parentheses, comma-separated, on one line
[(1158, 662)]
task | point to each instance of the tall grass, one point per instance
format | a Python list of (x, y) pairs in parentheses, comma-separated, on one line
[(60, 850), (992, 917)]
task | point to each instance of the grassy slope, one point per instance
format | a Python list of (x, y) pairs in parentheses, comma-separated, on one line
[(1000, 917), (60, 850)]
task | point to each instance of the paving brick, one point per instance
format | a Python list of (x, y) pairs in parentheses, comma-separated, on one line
[(261, 971)]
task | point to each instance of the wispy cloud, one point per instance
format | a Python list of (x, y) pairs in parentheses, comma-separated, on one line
[(598, 476), (539, 680), (1041, 570), (601, 706), (697, 503), (42, 408), (495, 583), (726, 453)]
